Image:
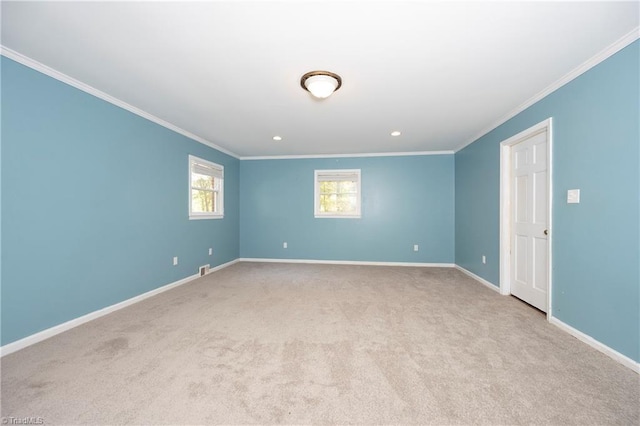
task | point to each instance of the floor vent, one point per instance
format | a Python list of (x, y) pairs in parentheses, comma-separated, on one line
[(204, 270)]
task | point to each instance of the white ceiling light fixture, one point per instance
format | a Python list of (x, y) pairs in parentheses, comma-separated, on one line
[(321, 84), (396, 133), (277, 138)]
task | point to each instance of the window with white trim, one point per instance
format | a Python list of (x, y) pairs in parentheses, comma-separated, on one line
[(337, 193), (206, 189)]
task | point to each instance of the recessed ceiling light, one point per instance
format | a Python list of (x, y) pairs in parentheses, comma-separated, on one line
[(396, 133), (277, 138)]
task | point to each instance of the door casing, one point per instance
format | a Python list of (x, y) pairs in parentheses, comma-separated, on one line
[(505, 207)]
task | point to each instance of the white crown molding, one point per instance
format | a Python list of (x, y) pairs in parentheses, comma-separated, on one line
[(372, 154), (617, 46), (44, 69), (346, 262), (61, 328), (38, 66)]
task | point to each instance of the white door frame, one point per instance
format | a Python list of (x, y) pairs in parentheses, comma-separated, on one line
[(505, 206)]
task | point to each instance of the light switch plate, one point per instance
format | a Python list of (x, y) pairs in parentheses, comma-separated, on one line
[(573, 196)]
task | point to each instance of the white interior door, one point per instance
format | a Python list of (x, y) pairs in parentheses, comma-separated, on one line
[(529, 249)]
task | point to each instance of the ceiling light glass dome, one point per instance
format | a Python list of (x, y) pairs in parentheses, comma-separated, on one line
[(321, 84)]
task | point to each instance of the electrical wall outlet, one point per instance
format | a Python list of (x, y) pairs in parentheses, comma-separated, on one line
[(484, 259), (415, 247), (573, 196), (284, 245), (175, 260), (210, 251)]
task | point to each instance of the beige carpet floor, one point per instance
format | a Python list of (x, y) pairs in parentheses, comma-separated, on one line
[(320, 344)]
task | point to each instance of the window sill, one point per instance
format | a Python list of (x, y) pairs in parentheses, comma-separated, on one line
[(333, 216), (199, 217)]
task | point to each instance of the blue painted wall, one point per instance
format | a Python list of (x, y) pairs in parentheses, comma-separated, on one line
[(405, 201), (94, 204), (596, 277)]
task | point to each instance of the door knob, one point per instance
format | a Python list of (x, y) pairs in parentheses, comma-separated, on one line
[(546, 232)]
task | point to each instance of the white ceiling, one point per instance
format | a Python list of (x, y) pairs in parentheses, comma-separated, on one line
[(229, 72)]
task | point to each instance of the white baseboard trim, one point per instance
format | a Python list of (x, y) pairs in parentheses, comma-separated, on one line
[(50, 332), (477, 278), (224, 265), (346, 262), (60, 328), (597, 345)]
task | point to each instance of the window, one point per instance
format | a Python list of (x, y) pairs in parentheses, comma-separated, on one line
[(206, 189), (337, 193)]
